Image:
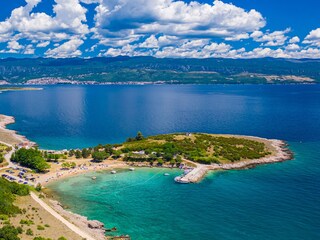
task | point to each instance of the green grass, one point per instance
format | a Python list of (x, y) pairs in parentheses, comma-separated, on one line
[(198, 147), (202, 148)]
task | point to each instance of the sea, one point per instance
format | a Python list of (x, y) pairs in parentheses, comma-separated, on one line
[(276, 201)]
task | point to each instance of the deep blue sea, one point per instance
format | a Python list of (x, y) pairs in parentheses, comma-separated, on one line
[(278, 201)]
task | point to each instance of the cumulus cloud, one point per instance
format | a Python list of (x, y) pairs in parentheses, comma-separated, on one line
[(313, 37), (126, 17), (159, 28), (276, 38), (14, 46), (25, 24), (67, 49), (295, 39)]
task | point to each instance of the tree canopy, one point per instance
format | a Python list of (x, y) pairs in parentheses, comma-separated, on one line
[(31, 158)]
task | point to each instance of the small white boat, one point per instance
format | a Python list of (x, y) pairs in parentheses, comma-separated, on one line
[(113, 172), (131, 169), (166, 174), (94, 178)]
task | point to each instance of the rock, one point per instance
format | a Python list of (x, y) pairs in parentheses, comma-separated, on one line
[(95, 224)]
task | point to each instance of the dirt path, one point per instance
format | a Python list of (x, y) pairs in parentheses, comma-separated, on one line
[(60, 218)]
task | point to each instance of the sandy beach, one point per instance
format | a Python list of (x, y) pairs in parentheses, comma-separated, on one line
[(85, 166)]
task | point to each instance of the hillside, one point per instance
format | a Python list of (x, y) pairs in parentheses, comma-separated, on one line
[(150, 70)]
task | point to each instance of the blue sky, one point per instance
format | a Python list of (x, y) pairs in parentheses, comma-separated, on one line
[(160, 28)]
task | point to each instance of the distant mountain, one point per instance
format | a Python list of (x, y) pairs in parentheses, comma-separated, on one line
[(155, 70)]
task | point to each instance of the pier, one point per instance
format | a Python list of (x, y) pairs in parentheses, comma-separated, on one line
[(195, 175)]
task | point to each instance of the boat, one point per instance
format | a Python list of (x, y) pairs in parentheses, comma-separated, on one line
[(166, 174), (94, 178), (180, 179), (113, 172), (131, 169)]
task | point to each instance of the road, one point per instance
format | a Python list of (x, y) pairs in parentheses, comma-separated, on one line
[(7, 156), (71, 226)]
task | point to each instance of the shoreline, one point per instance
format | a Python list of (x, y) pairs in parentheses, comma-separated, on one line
[(12, 137), (279, 153), (283, 153)]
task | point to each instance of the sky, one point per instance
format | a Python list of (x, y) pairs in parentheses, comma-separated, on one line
[(160, 28)]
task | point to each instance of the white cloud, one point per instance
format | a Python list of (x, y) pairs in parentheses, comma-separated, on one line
[(67, 49), (14, 46), (292, 47), (175, 18), (29, 49), (295, 39), (313, 38), (68, 20), (151, 42), (160, 28), (276, 38), (43, 44)]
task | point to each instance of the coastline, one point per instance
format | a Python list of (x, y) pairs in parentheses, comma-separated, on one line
[(280, 152), (11, 137)]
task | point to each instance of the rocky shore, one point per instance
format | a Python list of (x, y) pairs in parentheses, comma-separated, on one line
[(93, 227), (281, 153)]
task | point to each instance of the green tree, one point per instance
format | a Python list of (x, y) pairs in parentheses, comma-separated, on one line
[(71, 153), (86, 153), (139, 136), (99, 156), (31, 158), (9, 233), (160, 162), (78, 154)]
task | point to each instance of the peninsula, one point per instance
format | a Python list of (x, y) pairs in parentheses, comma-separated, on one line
[(195, 153)]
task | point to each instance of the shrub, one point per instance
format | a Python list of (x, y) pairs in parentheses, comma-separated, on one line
[(26, 222), (29, 232), (4, 217), (39, 227)]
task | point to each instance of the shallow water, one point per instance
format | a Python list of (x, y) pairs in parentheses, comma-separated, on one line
[(277, 201)]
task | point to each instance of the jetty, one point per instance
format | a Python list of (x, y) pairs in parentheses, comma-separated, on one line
[(193, 176)]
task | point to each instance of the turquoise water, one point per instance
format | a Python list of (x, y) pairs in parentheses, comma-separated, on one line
[(278, 201)]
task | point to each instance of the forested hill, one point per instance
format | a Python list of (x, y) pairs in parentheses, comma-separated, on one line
[(148, 69)]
